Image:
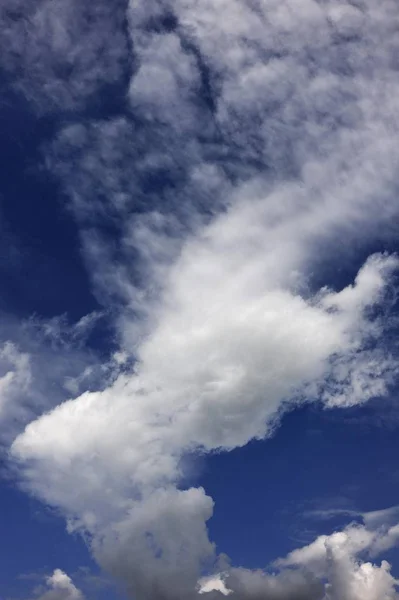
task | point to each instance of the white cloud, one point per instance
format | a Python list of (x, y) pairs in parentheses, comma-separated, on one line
[(336, 558), (235, 353), (213, 583), (61, 587), (352, 581), (43, 362), (333, 567), (328, 569)]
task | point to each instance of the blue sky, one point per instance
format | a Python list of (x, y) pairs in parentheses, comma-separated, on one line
[(198, 313)]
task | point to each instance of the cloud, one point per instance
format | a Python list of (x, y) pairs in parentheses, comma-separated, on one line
[(377, 518), (61, 587), (60, 54), (351, 581), (287, 585), (165, 63), (259, 147), (15, 377), (332, 567), (213, 583), (373, 520), (246, 584), (336, 557), (28, 387), (221, 384)]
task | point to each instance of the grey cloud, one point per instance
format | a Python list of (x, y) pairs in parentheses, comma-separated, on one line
[(287, 585), (159, 548)]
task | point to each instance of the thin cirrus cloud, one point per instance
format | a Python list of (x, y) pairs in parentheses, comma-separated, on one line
[(270, 135)]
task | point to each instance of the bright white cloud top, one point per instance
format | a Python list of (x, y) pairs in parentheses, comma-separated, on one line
[(61, 587), (282, 121)]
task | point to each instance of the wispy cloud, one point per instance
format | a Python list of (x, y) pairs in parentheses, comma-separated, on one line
[(60, 54)]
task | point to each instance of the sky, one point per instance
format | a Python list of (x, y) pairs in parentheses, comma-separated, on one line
[(198, 300)]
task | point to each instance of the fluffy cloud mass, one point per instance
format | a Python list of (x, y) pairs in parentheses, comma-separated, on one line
[(258, 145)]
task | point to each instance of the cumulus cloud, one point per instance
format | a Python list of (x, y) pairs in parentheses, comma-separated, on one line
[(333, 567), (260, 144), (337, 558), (61, 587)]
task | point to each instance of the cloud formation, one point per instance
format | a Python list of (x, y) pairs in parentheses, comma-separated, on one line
[(221, 384), (259, 146)]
